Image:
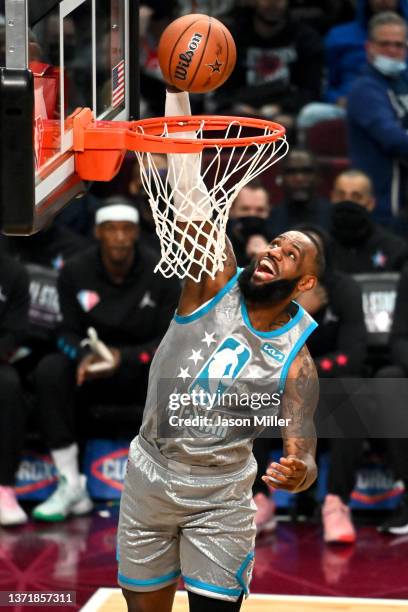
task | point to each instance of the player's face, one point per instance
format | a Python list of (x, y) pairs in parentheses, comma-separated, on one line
[(282, 259), (117, 239), (280, 271)]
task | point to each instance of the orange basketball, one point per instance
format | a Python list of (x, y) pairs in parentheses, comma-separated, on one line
[(196, 53)]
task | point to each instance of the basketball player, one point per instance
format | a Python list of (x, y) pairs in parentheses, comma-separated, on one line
[(187, 504)]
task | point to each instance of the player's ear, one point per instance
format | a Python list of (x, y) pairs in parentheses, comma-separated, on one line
[(307, 282)]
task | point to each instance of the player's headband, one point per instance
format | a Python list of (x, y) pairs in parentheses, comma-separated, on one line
[(117, 212)]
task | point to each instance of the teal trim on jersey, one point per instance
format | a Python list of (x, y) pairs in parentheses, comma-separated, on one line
[(275, 332), (149, 582), (298, 345), (213, 588), (202, 310), (244, 565)]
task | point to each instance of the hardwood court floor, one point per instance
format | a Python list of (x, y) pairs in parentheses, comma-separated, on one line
[(111, 600), (79, 555)]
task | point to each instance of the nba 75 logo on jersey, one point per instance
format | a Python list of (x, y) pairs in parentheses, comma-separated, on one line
[(223, 367)]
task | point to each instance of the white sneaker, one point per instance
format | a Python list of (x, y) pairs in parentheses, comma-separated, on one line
[(11, 513), (64, 501)]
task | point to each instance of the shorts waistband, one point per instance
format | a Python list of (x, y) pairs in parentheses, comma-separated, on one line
[(186, 469)]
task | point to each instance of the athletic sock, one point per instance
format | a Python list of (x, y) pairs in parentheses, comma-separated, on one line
[(66, 462)]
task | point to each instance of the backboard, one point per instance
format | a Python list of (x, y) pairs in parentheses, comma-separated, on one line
[(60, 57)]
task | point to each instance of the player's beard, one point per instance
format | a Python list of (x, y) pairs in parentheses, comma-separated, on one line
[(272, 292)]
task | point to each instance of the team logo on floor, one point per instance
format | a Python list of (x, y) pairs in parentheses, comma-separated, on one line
[(223, 367)]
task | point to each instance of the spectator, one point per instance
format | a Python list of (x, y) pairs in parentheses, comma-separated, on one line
[(50, 247), (360, 244), (112, 288), (338, 349), (378, 116), (319, 14), (248, 227), (397, 524), (345, 59), (301, 204), (14, 300), (279, 63), (43, 255)]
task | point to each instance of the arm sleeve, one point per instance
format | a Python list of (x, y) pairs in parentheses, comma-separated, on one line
[(15, 320), (370, 108), (348, 358), (70, 332), (143, 353), (399, 333)]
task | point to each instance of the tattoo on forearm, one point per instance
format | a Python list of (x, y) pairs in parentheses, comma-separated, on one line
[(299, 404)]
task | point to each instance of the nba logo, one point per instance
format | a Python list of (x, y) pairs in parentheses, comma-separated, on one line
[(223, 367)]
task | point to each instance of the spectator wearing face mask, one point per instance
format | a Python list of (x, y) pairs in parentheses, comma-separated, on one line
[(359, 243), (377, 115), (301, 204), (248, 226), (345, 58)]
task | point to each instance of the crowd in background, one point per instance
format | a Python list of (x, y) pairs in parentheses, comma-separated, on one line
[(319, 70)]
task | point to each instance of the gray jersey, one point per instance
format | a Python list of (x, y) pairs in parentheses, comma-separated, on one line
[(216, 353)]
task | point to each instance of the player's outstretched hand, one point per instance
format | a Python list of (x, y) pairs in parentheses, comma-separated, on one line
[(288, 474)]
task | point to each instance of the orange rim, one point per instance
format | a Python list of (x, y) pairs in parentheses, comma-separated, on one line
[(151, 131)]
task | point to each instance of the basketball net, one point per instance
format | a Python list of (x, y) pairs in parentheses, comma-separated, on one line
[(191, 204)]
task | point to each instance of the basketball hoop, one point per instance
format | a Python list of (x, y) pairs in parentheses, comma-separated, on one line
[(192, 234)]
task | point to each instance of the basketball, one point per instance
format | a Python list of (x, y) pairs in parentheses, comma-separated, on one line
[(196, 53)]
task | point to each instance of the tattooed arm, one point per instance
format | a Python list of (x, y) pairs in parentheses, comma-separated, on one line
[(297, 470)]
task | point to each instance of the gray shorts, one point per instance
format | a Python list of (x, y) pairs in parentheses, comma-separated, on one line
[(173, 523)]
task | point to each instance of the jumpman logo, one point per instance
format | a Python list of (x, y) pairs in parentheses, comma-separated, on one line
[(147, 301)]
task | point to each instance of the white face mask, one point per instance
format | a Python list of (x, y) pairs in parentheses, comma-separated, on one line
[(388, 66)]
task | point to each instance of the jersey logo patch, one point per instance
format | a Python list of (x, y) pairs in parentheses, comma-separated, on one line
[(273, 352), (147, 301), (223, 367), (88, 299)]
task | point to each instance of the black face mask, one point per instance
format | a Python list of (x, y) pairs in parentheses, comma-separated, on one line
[(271, 293), (244, 227), (351, 223)]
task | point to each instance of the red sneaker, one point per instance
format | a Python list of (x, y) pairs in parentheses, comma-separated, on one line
[(265, 519), (337, 523), (11, 513)]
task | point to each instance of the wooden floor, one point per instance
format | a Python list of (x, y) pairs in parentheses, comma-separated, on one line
[(111, 600)]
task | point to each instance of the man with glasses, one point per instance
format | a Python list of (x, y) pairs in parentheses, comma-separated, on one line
[(378, 115)]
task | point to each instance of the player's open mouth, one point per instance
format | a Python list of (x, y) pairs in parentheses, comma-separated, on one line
[(266, 270)]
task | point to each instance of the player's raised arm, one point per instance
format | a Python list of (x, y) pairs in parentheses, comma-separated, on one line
[(297, 470), (192, 203)]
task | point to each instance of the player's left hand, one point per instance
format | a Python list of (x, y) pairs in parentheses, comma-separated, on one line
[(288, 474)]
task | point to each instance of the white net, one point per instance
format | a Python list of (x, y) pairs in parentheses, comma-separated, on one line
[(191, 202)]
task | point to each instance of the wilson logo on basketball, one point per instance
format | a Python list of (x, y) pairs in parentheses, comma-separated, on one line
[(186, 58)]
